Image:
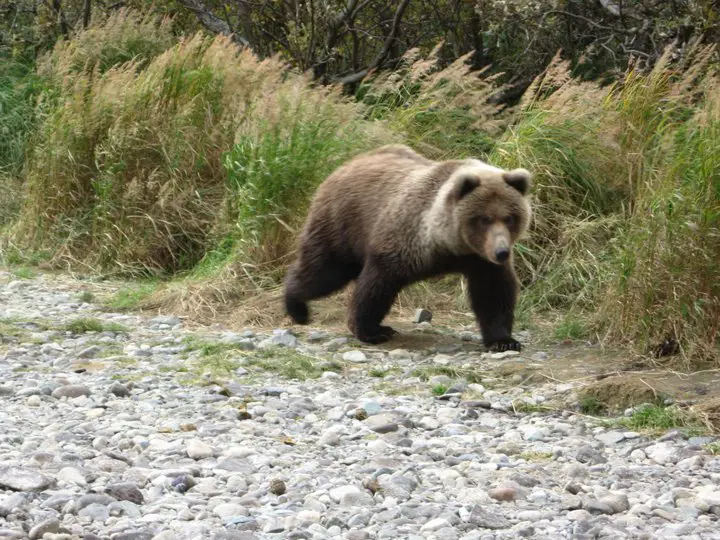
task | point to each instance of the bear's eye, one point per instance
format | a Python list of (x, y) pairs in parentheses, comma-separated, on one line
[(509, 220), (483, 220)]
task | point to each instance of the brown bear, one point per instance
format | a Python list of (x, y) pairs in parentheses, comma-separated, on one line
[(391, 217)]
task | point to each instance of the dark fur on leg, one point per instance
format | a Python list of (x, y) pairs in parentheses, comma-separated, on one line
[(307, 282), (373, 297), (493, 294)]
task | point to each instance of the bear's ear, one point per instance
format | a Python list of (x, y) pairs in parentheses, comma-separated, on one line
[(519, 179), (464, 185)]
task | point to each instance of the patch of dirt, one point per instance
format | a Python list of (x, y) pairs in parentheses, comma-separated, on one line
[(620, 392)]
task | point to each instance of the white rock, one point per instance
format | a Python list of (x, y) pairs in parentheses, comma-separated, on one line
[(70, 475), (435, 525), (662, 453), (196, 449), (355, 356)]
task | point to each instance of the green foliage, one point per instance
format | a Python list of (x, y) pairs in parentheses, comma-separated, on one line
[(570, 328), (88, 324), (131, 297), (658, 419), (439, 389), (592, 406)]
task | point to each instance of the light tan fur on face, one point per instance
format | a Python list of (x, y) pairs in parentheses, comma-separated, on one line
[(445, 220)]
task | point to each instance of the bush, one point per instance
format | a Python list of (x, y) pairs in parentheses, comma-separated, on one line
[(19, 88), (148, 169), (627, 202)]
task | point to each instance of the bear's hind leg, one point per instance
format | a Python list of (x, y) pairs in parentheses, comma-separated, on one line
[(305, 282), (372, 299), (493, 293)]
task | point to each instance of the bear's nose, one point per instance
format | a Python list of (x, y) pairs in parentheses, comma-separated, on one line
[(502, 254)]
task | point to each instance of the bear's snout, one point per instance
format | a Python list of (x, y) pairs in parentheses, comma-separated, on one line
[(502, 254)]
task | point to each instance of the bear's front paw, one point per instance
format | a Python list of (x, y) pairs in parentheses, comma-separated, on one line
[(506, 344), (373, 339), (387, 331)]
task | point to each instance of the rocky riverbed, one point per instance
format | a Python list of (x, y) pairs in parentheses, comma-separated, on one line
[(125, 427)]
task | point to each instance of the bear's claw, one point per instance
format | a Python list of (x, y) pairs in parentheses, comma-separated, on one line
[(503, 345)]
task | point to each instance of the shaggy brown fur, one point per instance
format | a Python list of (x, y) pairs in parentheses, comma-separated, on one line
[(391, 217)]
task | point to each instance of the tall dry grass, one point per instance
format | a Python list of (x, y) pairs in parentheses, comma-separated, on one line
[(150, 169), (627, 198)]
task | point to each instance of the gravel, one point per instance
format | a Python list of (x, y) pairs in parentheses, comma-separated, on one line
[(151, 430)]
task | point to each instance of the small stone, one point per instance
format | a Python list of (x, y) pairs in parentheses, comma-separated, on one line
[(228, 510), (351, 496), (20, 479), (381, 423), (355, 356), (618, 502), (90, 352), (539, 356), (435, 525), (71, 391), (662, 453), (587, 454), (94, 498), (329, 438), (598, 507), (169, 320), (428, 423), (12, 503), (70, 475), (486, 519), (96, 512), (125, 492), (277, 487), (610, 438), (119, 390), (422, 315), (197, 450), (48, 526), (6, 391), (505, 494)]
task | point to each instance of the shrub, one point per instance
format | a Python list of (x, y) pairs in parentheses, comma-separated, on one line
[(152, 169)]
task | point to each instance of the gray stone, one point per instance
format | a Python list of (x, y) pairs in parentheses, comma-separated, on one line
[(21, 479), (119, 390), (96, 512), (487, 519), (71, 391), (381, 423), (355, 356), (51, 525), (422, 315)]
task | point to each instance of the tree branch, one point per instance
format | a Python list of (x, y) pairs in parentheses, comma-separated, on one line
[(87, 12), (212, 22), (382, 55)]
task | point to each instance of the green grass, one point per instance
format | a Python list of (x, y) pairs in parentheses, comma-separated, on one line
[(23, 273), (222, 359), (87, 297), (570, 328), (129, 298), (87, 324), (713, 448), (592, 406), (439, 390), (658, 419)]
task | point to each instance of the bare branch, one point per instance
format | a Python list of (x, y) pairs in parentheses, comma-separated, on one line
[(381, 56), (87, 12), (212, 22)]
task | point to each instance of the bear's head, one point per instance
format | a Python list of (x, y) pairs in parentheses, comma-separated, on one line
[(490, 209)]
